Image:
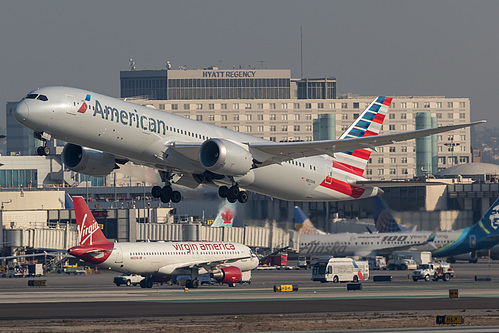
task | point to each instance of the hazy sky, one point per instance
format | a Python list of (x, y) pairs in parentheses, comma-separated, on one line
[(436, 48)]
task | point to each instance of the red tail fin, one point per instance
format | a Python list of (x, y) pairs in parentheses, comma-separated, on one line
[(89, 232)]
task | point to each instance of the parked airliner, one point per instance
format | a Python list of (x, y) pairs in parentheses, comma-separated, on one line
[(482, 235), (159, 261), (103, 132)]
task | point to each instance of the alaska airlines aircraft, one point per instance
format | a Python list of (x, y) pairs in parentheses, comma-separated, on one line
[(159, 261), (189, 153), (483, 235)]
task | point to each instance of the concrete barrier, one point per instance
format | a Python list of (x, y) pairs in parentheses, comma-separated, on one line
[(382, 278), (483, 278), (354, 286)]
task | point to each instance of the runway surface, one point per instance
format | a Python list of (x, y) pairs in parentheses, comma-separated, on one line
[(95, 296)]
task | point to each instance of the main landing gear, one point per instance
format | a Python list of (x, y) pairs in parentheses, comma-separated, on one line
[(233, 194), (166, 194)]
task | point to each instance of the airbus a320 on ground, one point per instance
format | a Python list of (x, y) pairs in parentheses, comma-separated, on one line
[(103, 132), (226, 262)]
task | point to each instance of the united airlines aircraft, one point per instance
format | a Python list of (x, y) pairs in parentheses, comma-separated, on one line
[(104, 132)]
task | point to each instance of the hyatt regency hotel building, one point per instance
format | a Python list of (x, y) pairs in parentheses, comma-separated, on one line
[(268, 103)]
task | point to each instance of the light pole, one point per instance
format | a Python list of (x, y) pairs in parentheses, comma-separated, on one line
[(451, 146)]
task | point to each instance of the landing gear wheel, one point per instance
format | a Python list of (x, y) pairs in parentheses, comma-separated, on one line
[(149, 283), (233, 192), (166, 194), (242, 197), (195, 284), (156, 192), (188, 283), (176, 196), (223, 191), (232, 200), (43, 151), (142, 284)]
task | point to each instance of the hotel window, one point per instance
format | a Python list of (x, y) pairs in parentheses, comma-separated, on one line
[(308, 138), (439, 105), (296, 116), (463, 148), (308, 128), (403, 116), (284, 106), (248, 117), (462, 137), (308, 105), (381, 172), (272, 106), (308, 117), (369, 172), (439, 115), (462, 104), (344, 116), (174, 106), (260, 129), (199, 117), (450, 104), (403, 105), (284, 128), (260, 117), (187, 106), (355, 105), (344, 105), (235, 128), (296, 106), (403, 149), (392, 127), (211, 106), (272, 128), (211, 117), (162, 106), (415, 105), (392, 172), (272, 116), (403, 127), (272, 138), (260, 106), (284, 116), (355, 116), (235, 117), (223, 106), (332, 105), (404, 160), (320, 105), (380, 160), (223, 117), (426, 105), (199, 106), (392, 150), (450, 115), (404, 171), (391, 116), (344, 128), (247, 106), (393, 160), (297, 128), (248, 129), (462, 115), (235, 106)]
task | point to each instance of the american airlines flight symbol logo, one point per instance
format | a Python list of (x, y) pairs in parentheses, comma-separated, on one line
[(83, 108)]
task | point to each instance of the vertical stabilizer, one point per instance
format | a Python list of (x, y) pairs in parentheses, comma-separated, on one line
[(383, 217), (225, 216), (303, 223), (89, 232), (367, 124), (489, 223)]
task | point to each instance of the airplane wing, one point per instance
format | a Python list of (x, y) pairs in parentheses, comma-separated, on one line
[(267, 152), (208, 265)]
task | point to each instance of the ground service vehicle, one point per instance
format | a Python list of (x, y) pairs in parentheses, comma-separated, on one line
[(302, 262), (340, 270), (420, 257), (376, 262), (434, 271), (128, 279), (35, 270), (401, 262)]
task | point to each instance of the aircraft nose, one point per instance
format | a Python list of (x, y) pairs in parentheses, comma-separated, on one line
[(21, 111)]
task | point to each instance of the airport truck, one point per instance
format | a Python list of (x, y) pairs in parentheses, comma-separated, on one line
[(376, 262), (128, 279), (420, 257), (401, 261), (340, 270), (433, 271)]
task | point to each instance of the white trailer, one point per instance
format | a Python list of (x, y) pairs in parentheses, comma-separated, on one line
[(340, 270)]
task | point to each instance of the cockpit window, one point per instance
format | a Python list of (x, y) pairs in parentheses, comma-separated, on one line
[(38, 97)]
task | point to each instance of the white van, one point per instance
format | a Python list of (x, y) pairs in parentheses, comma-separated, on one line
[(340, 270)]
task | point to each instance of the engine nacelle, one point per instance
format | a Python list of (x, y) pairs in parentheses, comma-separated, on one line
[(229, 274), (87, 161), (225, 157)]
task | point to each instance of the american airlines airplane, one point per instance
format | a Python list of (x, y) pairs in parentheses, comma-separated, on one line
[(482, 235), (104, 132), (159, 261)]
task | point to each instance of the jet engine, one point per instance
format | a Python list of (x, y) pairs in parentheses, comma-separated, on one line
[(225, 157), (88, 161), (228, 275)]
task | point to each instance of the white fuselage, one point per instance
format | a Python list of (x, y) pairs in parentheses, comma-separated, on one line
[(145, 135), (164, 257), (362, 245)]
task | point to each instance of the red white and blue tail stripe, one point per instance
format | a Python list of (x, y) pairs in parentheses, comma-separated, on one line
[(368, 124)]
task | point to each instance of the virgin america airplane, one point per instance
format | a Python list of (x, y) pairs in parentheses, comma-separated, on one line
[(103, 132), (226, 262)]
